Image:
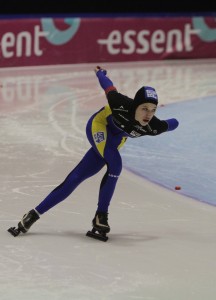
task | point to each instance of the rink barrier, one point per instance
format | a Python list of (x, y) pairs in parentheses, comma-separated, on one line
[(50, 41)]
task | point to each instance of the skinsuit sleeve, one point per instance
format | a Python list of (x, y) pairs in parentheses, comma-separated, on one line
[(105, 82)]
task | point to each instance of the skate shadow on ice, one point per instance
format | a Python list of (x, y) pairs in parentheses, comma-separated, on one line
[(120, 239), (129, 239)]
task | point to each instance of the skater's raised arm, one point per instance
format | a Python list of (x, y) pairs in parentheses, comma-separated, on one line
[(105, 82)]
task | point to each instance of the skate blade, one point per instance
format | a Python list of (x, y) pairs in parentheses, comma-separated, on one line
[(14, 231), (97, 235)]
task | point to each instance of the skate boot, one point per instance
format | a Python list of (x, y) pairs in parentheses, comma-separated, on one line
[(100, 227), (100, 222), (23, 226)]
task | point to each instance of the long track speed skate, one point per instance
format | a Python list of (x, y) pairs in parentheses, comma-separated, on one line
[(23, 226), (100, 227), (98, 235), (14, 231)]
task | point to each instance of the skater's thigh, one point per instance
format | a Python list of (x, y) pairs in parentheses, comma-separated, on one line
[(97, 135)]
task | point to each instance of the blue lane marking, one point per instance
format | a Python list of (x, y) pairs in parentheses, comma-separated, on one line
[(184, 157)]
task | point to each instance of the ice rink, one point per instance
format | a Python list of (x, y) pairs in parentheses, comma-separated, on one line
[(162, 243)]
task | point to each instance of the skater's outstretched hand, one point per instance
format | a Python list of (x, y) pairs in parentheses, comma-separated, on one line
[(98, 68), (105, 82)]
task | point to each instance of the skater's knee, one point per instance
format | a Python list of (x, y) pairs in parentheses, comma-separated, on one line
[(114, 170), (112, 175), (74, 178)]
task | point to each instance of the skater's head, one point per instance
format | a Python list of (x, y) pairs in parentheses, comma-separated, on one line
[(146, 94), (145, 104)]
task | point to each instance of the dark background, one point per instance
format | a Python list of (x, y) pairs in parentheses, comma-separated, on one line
[(105, 7)]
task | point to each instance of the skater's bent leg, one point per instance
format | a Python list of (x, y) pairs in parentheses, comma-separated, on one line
[(108, 183), (91, 164)]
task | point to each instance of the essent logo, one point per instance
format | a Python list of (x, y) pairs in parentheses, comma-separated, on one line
[(206, 33), (158, 41), (26, 43), (60, 37)]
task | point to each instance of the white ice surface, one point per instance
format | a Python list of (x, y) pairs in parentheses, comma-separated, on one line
[(161, 246), (184, 157)]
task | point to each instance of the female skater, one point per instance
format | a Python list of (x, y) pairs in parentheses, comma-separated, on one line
[(107, 131)]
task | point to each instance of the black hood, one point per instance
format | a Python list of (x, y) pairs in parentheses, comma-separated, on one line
[(145, 94)]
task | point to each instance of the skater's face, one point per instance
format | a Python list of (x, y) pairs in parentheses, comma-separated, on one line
[(145, 112)]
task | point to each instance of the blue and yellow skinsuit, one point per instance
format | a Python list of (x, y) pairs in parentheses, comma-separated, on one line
[(107, 131)]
